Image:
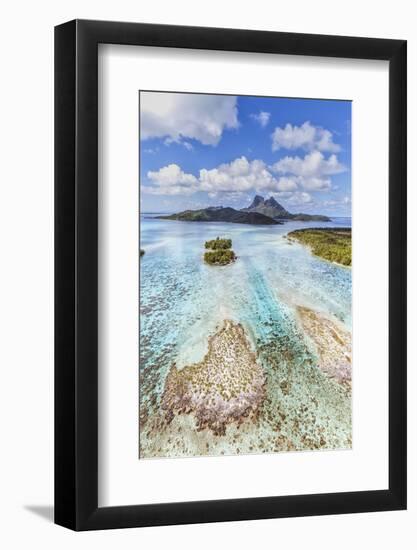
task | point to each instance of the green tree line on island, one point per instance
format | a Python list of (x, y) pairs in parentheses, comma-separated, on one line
[(218, 244), (334, 245)]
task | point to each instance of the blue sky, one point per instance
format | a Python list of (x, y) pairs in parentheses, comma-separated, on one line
[(200, 150)]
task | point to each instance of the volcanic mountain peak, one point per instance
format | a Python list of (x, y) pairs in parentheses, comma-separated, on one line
[(269, 207), (272, 202), (257, 200)]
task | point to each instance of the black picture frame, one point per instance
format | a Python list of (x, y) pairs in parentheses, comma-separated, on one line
[(76, 273)]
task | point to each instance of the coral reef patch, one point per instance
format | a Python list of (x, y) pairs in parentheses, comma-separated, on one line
[(227, 386), (332, 343)]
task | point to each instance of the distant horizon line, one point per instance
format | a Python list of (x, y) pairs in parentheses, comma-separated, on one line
[(175, 211)]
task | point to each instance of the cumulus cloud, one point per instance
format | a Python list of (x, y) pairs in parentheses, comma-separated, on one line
[(311, 165), (261, 118), (238, 175), (310, 172), (288, 175), (287, 184), (300, 198), (175, 116), (171, 180), (306, 136)]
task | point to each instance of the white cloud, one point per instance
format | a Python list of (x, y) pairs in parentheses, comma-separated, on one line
[(306, 136), (295, 198), (238, 175), (293, 175), (311, 172), (287, 184), (312, 165), (300, 198), (171, 180), (196, 116), (316, 184), (168, 141), (171, 174), (262, 118)]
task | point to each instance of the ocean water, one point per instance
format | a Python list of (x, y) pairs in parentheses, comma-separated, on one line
[(183, 301)]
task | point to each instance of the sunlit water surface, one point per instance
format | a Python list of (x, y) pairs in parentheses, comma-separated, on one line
[(183, 301)]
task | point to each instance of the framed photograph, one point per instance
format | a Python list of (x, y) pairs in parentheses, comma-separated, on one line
[(230, 248)]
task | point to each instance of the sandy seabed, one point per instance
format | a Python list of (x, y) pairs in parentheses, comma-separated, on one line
[(252, 357), (244, 398)]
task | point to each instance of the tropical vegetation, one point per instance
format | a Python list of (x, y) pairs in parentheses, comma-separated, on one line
[(219, 252), (334, 245), (219, 244)]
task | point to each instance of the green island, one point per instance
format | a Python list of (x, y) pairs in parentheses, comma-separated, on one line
[(221, 214), (219, 252), (259, 212), (219, 244), (142, 252), (332, 244)]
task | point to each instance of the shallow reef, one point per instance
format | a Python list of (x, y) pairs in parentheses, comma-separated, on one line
[(235, 401), (226, 386), (332, 344), (250, 358)]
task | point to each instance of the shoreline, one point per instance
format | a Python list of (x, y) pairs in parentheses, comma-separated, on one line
[(324, 242)]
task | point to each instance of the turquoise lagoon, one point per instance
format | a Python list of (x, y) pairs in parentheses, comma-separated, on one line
[(184, 301)]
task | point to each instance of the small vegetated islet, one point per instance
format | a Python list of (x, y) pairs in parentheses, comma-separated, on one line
[(219, 252), (334, 245), (218, 244)]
